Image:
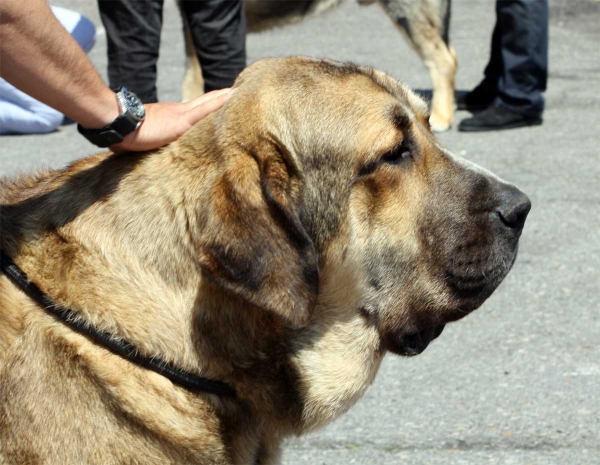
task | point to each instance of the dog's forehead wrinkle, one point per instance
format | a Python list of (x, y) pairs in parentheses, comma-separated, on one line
[(401, 116), (402, 93), (384, 81)]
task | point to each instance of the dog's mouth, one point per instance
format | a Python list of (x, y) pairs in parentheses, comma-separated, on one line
[(471, 287), (414, 344)]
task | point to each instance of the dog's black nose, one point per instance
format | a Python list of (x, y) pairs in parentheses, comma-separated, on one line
[(514, 208)]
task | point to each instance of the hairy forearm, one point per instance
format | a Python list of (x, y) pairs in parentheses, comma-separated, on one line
[(39, 57)]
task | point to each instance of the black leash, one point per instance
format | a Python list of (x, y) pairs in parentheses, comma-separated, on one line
[(117, 346)]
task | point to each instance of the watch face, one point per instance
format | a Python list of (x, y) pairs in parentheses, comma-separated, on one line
[(132, 103)]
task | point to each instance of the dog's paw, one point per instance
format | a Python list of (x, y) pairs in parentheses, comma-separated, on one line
[(439, 124)]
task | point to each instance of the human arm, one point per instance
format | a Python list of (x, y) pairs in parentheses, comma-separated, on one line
[(39, 57)]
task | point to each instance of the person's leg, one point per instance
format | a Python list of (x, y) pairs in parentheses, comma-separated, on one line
[(484, 94), (133, 32), (218, 29), (524, 50), (494, 68), (523, 42)]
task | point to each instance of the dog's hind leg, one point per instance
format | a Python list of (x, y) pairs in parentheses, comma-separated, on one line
[(426, 24)]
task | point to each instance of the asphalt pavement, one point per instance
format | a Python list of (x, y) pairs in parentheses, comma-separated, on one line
[(517, 382)]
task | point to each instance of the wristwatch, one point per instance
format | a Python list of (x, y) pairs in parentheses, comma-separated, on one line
[(131, 117)]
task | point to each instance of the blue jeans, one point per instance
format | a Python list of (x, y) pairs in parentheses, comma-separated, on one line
[(518, 66)]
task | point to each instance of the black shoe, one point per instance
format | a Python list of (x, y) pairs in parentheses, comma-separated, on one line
[(498, 117), (478, 99)]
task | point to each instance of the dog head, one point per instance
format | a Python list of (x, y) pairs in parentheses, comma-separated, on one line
[(338, 182)]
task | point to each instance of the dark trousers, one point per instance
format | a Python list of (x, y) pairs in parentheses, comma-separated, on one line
[(518, 66), (133, 27)]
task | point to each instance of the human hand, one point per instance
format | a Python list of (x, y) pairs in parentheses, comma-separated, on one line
[(167, 121)]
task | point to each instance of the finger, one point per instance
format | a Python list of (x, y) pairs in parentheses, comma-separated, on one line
[(206, 97), (200, 111)]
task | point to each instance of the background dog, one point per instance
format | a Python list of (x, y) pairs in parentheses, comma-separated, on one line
[(424, 23), (283, 245)]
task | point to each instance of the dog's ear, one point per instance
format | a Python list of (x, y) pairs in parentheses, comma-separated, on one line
[(255, 244)]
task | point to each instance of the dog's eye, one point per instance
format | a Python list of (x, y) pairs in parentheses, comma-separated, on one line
[(398, 154)]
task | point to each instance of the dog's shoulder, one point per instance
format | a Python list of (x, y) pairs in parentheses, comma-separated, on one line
[(22, 187)]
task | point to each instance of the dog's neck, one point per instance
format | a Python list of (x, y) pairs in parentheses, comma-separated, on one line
[(156, 296), (142, 282)]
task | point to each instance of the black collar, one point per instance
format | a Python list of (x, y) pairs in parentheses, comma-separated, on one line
[(117, 346)]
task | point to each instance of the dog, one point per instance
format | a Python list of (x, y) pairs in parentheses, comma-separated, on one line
[(281, 247), (424, 23)]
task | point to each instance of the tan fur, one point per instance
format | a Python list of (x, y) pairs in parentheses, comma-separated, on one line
[(273, 247)]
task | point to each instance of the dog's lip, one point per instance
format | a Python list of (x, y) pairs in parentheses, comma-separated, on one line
[(415, 343)]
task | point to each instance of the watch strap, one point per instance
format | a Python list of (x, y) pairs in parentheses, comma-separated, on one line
[(112, 133)]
